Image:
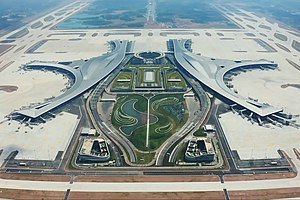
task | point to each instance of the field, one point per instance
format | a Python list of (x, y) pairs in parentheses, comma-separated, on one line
[(200, 133), (109, 14), (118, 83), (15, 12), (132, 14), (181, 152), (143, 158), (190, 14), (167, 113), (134, 77), (172, 114), (172, 84), (283, 11)]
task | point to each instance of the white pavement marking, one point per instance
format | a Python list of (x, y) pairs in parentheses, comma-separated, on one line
[(148, 123)]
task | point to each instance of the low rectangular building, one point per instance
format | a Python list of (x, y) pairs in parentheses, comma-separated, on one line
[(199, 150), (93, 151), (88, 132)]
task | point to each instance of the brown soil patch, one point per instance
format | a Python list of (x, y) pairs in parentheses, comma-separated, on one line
[(8, 88), (131, 178), (147, 195), (5, 48), (29, 194), (248, 177), (186, 178), (265, 194), (36, 177)]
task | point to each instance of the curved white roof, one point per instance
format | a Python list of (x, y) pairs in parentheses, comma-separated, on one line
[(85, 76), (210, 73)]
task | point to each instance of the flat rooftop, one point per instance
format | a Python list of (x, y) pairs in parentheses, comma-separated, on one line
[(257, 142), (85, 76), (211, 73), (149, 76), (41, 142)]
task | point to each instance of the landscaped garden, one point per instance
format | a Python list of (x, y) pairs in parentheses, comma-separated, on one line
[(167, 114)]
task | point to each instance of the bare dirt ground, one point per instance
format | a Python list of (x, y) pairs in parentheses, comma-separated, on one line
[(147, 196), (41, 177), (265, 194), (29, 194), (5, 48), (248, 177), (186, 178), (8, 88), (107, 178)]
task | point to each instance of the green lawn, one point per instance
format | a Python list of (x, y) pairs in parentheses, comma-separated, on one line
[(170, 109), (200, 133), (170, 118), (144, 158), (123, 75), (140, 105), (181, 152), (138, 137), (174, 75)]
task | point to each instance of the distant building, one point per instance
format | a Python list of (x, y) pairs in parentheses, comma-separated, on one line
[(199, 150), (123, 80), (93, 150), (209, 128), (88, 132), (148, 58), (189, 95), (174, 80)]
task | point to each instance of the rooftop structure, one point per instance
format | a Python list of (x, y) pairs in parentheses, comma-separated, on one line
[(88, 131), (149, 58), (199, 150), (85, 76), (209, 127), (211, 73), (94, 150)]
